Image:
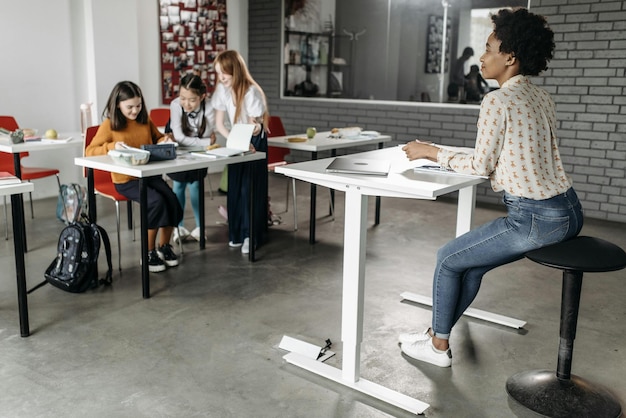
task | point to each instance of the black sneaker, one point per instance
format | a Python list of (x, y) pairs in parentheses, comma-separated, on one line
[(166, 253), (155, 264)]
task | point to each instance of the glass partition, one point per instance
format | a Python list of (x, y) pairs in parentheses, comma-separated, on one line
[(392, 50)]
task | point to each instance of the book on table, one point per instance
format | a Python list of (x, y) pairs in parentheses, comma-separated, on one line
[(8, 178)]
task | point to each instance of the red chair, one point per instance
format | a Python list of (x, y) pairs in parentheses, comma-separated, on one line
[(27, 173), (160, 116), (103, 185), (276, 157)]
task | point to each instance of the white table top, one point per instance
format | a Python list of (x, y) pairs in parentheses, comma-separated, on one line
[(323, 142), (401, 181), (15, 188), (184, 162), (29, 146)]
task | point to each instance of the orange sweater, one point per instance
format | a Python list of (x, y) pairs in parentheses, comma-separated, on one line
[(135, 135)]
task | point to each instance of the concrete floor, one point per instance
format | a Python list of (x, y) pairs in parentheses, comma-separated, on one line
[(205, 343)]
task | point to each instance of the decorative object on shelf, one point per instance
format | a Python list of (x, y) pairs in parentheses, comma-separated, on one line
[(192, 34)]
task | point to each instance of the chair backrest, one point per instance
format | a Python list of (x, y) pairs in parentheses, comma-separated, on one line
[(6, 159), (8, 122), (160, 116), (99, 176), (276, 128)]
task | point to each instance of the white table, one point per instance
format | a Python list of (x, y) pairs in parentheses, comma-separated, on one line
[(184, 162), (8, 147), (17, 212), (402, 182), (324, 142)]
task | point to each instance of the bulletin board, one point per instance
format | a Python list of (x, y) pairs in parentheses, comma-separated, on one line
[(192, 33)]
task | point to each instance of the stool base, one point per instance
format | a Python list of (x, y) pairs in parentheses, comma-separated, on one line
[(542, 392)]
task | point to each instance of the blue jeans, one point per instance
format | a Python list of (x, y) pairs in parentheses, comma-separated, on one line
[(194, 195), (462, 263)]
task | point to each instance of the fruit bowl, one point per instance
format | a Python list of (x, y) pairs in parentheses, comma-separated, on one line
[(129, 157)]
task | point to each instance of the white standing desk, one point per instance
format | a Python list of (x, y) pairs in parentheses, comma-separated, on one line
[(402, 182), (184, 162), (17, 212), (324, 142)]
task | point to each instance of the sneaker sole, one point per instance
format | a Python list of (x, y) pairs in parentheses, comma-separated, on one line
[(169, 263), (156, 269), (443, 363)]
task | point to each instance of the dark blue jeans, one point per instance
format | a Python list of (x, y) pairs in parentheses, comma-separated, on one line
[(462, 263)]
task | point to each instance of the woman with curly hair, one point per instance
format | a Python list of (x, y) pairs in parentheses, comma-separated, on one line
[(517, 148)]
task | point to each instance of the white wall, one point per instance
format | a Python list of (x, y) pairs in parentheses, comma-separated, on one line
[(74, 51)]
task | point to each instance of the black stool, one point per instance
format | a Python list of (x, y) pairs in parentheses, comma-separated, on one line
[(561, 394)]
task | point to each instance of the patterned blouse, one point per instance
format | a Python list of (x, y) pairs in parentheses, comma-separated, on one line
[(516, 145)]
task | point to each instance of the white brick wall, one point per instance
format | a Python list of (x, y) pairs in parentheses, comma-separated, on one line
[(586, 78)]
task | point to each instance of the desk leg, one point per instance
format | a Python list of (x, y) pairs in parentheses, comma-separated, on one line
[(201, 207), (354, 242), (464, 217), (17, 166), (312, 213), (251, 186), (352, 315), (17, 207), (377, 216), (91, 196), (331, 207), (143, 211)]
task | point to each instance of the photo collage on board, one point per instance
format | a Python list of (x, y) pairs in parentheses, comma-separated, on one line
[(192, 32)]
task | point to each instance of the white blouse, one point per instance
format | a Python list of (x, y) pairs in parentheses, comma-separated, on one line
[(176, 115), (516, 145), (253, 105)]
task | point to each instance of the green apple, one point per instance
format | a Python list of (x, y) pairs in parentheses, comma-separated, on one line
[(310, 132), (51, 134)]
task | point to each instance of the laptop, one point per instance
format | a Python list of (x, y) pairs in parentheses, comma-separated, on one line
[(238, 141), (359, 166)]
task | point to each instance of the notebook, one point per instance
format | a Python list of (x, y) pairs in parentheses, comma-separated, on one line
[(238, 141), (359, 166)]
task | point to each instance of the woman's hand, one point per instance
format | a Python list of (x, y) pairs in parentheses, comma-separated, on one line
[(213, 138), (257, 129), (416, 149)]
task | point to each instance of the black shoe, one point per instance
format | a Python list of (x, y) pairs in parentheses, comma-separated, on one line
[(166, 253), (155, 264), (222, 192)]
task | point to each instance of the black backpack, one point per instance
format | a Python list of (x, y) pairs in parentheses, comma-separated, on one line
[(75, 268)]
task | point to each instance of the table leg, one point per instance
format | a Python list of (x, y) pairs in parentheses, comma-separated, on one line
[(377, 215), (201, 208), (354, 242), (143, 210), (17, 166), (352, 315), (17, 208), (312, 211), (251, 186), (91, 196)]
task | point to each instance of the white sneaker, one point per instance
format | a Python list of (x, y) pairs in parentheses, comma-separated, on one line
[(411, 337), (234, 244), (425, 351), (245, 248), (223, 212), (180, 233), (195, 234)]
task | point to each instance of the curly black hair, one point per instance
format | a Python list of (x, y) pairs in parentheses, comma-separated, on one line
[(526, 36)]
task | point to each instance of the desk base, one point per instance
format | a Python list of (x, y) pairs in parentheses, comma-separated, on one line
[(471, 312), (364, 386)]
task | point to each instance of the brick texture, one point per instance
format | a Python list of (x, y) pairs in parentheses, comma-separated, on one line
[(586, 77)]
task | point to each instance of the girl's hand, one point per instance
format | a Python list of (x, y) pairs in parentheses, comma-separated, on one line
[(257, 129), (252, 149), (213, 138), (416, 149)]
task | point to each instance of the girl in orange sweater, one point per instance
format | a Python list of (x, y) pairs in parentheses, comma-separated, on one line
[(126, 122)]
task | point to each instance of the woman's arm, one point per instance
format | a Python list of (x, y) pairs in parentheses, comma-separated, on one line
[(103, 140), (219, 123)]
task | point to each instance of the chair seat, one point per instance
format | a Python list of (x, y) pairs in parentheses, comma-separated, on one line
[(34, 173), (585, 254), (108, 190)]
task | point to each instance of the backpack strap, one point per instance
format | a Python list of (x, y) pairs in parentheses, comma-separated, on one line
[(108, 279)]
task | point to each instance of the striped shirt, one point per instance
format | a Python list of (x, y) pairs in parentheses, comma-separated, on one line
[(516, 144)]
